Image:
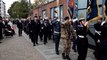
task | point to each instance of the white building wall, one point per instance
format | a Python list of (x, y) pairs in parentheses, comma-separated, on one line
[(2, 9)]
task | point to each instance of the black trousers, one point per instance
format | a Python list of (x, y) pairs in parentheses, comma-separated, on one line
[(57, 40), (82, 47), (50, 35), (103, 49), (34, 38), (45, 37), (41, 35), (97, 52), (20, 32)]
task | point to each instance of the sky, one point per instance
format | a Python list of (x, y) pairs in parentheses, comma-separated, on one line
[(9, 2)]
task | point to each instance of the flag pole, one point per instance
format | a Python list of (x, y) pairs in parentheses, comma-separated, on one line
[(103, 9), (68, 10), (58, 9), (71, 14)]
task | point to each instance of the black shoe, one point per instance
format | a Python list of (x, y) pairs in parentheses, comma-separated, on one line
[(63, 56), (0, 42), (34, 45), (95, 54), (37, 43), (41, 40), (57, 53), (68, 58), (74, 48), (44, 43)]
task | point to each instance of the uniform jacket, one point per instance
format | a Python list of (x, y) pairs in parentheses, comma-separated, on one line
[(56, 26), (68, 30), (34, 27)]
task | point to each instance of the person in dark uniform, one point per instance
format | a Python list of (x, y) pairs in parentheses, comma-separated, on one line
[(20, 27), (41, 30), (97, 27), (104, 36), (34, 28), (82, 45), (46, 29), (57, 33), (37, 28), (50, 30), (1, 28), (104, 41)]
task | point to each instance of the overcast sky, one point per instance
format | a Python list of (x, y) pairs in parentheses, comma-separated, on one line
[(9, 2)]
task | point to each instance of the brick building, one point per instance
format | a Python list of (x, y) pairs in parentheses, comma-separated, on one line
[(48, 9)]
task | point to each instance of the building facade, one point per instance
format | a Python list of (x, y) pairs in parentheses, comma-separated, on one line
[(51, 9), (2, 9), (47, 10)]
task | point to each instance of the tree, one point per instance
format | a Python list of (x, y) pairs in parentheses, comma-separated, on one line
[(11, 10), (24, 9), (19, 9), (39, 2)]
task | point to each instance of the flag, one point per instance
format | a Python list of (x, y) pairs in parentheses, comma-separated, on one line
[(93, 11), (70, 7)]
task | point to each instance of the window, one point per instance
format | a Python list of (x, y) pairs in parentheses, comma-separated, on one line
[(55, 11), (43, 14), (52, 13), (82, 9)]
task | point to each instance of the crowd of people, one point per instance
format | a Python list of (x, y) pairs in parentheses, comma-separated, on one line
[(76, 32), (52, 29)]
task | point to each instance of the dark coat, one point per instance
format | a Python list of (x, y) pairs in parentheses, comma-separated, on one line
[(46, 27), (104, 42), (34, 27), (20, 25), (56, 26)]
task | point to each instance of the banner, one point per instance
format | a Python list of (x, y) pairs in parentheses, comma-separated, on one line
[(71, 7), (92, 10)]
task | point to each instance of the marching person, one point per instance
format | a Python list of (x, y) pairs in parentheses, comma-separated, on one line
[(57, 33), (46, 29), (34, 28), (41, 29), (20, 27), (97, 27), (50, 30), (104, 36), (104, 41), (69, 36), (82, 45)]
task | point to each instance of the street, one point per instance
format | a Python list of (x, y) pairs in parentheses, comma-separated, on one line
[(20, 48), (84, 22)]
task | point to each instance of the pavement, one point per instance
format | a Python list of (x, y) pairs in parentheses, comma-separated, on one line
[(21, 48), (48, 51), (18, 48)]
